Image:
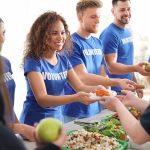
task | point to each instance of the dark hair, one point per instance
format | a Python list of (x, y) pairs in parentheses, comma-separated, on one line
[(114, 2), (6, 111), (82, 5), (37, 42)]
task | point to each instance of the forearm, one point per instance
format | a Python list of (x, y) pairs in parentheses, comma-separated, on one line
[(139, 104), (93, 79), (50, 100), (130, 124), (18, 128), (118, 68)]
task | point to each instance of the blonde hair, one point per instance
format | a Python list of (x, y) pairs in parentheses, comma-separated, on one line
[(82, 5)]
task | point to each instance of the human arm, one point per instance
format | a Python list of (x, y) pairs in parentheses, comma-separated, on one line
[(118, 68), (93, 79), (46, 100), (138, 91), (133, 101), (126, 118), (26, 131)]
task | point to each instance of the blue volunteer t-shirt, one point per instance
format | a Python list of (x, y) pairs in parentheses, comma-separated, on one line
[(10, 84), (89, 53), (149, 59), (55, 77), (119, 41), (8, 78)]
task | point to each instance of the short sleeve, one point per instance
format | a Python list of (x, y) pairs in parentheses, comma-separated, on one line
[(110, 43), (75, 58), (31, 65)]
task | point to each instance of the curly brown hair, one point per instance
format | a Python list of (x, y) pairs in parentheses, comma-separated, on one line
[(37, 42), (82, 5)]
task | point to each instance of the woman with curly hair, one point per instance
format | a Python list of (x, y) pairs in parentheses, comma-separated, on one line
[(47, 71)]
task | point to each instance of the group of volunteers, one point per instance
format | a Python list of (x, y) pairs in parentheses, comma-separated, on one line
[(61, 69)]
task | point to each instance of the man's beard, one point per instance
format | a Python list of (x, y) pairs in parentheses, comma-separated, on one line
[(124, 21)]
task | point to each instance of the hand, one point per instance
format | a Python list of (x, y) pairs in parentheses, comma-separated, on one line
[(141, 69), (109, 102), (59, 142), (84, 98), (128, 99), (139, 93), (127, 84), (61, 139), (27, 132)]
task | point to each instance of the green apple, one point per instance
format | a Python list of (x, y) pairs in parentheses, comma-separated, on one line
[(48, 130), (147, 67)]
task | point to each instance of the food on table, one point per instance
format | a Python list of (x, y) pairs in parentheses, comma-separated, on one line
[(84, 140), (147, 67), (113, 128), (135, 112), (48, 130)]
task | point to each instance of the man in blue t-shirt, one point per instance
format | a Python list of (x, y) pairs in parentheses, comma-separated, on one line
[(86, 59), (118, 45)]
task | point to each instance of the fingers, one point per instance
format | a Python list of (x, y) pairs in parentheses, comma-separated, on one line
[(125, 92), (102, 102), (140, 93), (131, 82), (102, 99), (130, 87), (142, 63), (120, 97)]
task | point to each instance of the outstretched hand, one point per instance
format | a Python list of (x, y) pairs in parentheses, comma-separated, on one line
[(127, 84), (141, 69), (85, 98), (61, 139), (109, 102), (128, 98)]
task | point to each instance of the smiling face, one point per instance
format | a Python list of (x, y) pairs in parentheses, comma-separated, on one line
[(90, 19), (57, 36), (122, 12)]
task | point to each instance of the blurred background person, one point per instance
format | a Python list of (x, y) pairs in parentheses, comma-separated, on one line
[(25, 130)]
